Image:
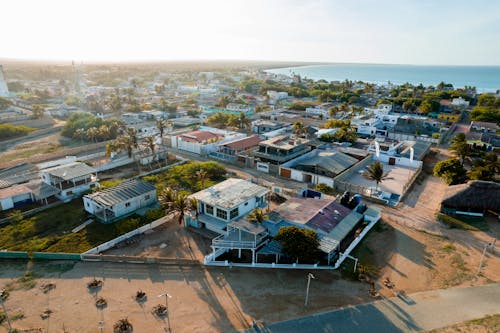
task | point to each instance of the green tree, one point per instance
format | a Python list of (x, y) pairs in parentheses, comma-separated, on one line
[(223, 101), (426, 107), (177, 203), (161, 124), (218, 119), (460, 148), (375, 172), (299, 243), (243, 121), (38, 111), (299, 129), (451, 171), (257, 215)]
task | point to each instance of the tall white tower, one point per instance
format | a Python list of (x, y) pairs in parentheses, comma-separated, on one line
[(4, 90)]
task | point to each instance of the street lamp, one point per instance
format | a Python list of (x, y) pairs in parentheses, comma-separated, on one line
[(309, 276), (167, 296), (5, 312)]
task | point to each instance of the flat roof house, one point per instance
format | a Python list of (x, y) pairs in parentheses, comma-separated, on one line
[(114, 203), (281, 149), (71, 179), (226, 202), (229, 151)]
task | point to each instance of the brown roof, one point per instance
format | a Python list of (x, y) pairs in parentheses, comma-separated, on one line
[(13, 191), (445, 102), (198, 136), (476, 195), (243, 144)]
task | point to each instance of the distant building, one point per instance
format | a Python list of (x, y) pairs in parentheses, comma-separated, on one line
[(226, 202), (263, 126), (275, 96), (71, 179), (117, 202), (229, 151), (4, 90), (15, 196)]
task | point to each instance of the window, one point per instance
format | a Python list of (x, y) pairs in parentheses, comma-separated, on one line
[(246, 203), (147, 197), (69, 193), (222, 214), (210, 210), (92, 185), (127, 204), (87, 204), (234, 213)]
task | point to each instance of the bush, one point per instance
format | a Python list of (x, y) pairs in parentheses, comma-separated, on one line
[(122, 326), (8, 131), (470, 223)]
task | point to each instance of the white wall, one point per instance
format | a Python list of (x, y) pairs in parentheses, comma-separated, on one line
[(403, 161), (6, 203)]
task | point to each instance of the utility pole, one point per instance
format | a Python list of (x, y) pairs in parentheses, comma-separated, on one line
[(482, 258), (309, 276)]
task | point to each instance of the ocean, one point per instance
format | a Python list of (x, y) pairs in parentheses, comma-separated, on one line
[(484, 78)]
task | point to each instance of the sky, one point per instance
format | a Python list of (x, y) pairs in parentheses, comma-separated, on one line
[(424, 32)]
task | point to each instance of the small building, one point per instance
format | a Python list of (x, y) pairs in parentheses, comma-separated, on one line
[(263, 126), (229, 151), (117, 202), (71, 179), (226, 202), (483, 126), (317, 166), (474, 198), (281, 149), (15, 196)]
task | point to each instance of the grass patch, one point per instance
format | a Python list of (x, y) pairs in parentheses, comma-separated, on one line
[(104, 184), (50, 231), (490, 323), (460, 274), (464, 222), (448, 248), (366, 262), (25, 282), (17, 316)]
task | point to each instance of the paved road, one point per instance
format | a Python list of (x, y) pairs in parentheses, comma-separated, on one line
[(414, 313)]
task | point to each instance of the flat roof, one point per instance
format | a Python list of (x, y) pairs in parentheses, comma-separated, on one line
[(230, 193), (283, 142), (13, 191), (71, 170), (121, 193)]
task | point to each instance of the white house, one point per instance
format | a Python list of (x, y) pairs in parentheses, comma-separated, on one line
[(459, 102), (203, 141), (14, 196), (71, 179), (226, 202), (275, 96), (320, 110), (114, 203)]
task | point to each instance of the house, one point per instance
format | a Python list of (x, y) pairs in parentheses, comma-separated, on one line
[(275, 96), (71, 179), (204, 140), (114, 203), (226, 202), (483, 126), (322, 110), (263, 126), (15, 196), (459, 102), (317, 166), (338, 228), (281, 149), (474, 198), (229, 151)]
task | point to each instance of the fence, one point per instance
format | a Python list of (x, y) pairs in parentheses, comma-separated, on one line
[(55, 256), (112, 243), (138, 260), (32, 211), (14, 255)]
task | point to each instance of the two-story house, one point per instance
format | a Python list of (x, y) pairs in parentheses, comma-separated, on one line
[(71, 179), (281, 149), (225, 202)]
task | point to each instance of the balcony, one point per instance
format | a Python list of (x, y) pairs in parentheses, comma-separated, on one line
[(241, 239)]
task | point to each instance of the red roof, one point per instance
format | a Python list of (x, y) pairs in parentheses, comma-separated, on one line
[(198, 136), (445, 102), (243, 144)]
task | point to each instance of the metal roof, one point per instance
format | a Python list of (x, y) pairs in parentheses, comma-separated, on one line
[(230, 193), (42, 190), (121, 193), (71, 170), (335, 162), (253, 228), (345, 226)]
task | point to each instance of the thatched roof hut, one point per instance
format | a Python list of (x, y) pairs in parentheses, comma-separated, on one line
[(475, 196)]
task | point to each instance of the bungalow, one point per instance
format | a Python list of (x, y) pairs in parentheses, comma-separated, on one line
[(262, 126), (71, 179), (203, 141), (229, 151), (226, 202), (114, 203), (338, 228), (15, 196), (317, 166)]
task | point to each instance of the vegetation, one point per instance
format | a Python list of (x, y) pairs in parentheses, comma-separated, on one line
[(257, 215), (490, 323), (460, 148), (472, 223), (186, 177), (4, 103), (323, 188), (451, 171), (122, 326), (50, 230), (223, 120), (125, 142), (86, 126), (177, 203), (299, 243), (299, 129), (375, 172), (485, 168), (487, 109), (9, 131)]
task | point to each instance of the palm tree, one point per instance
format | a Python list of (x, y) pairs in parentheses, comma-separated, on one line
[(257, 215), (103, 132), (298, 128), (80, 133), (150, 144), (92, 133), (161, 124), (177, 203), (460, 148), (243, 121), (376, 173), (202, 177)]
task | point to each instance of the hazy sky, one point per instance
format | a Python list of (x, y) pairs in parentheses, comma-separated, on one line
[(376, 31)]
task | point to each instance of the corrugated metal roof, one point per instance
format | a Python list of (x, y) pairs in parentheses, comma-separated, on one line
[(42, 190), (71, 170), (121, 193), (335, 162), (345, 226)]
